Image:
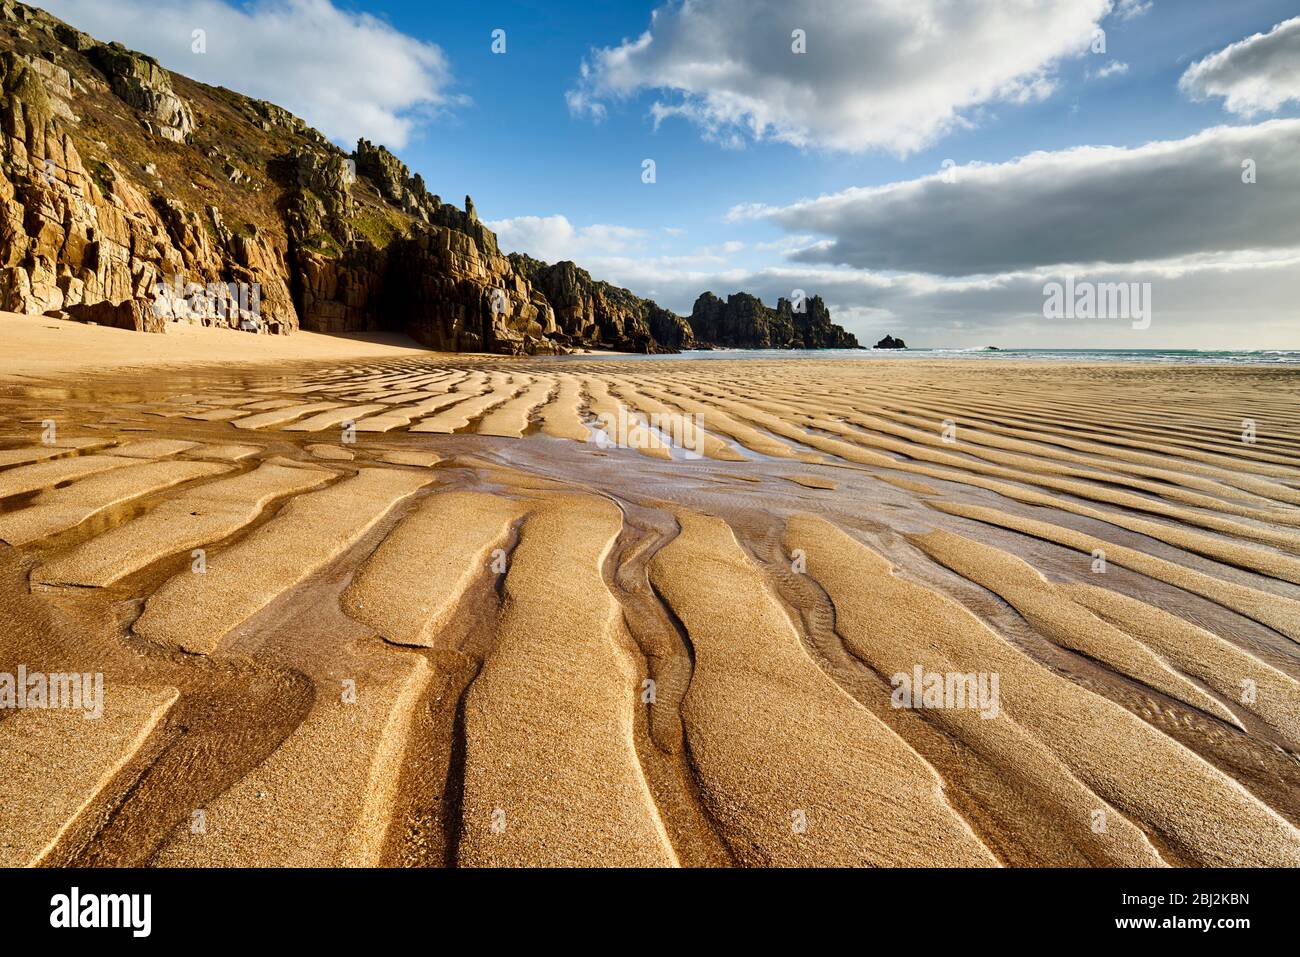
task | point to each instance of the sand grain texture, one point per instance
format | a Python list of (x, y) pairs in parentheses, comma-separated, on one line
[(409, 588), (192, 611), (551, 769), (57, 767), (565, 654), (775, 742)]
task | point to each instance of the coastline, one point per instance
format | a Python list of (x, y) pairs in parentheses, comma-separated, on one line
[(36, 345)]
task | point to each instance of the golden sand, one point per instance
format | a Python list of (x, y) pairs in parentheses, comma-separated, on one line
[(552, 775), (58, 768), (38, 345), (360, 604), (193, 611), (408, 589)]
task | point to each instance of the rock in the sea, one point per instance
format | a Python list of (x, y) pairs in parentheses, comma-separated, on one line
[(670, 330), (889, 342), (743, 322), (812, 326)]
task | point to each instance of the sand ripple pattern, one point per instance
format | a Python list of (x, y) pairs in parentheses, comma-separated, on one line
[(498, 612)]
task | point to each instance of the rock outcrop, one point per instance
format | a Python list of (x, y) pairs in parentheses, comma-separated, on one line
[(91, 238), (670, 330), (593, 313), (889, 342), (813, 328), (245, 209), (743, 322), (136, 197), (146, 86)]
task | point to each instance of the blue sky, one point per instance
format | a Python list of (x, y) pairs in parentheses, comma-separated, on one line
[(517, 149), (852, 112)]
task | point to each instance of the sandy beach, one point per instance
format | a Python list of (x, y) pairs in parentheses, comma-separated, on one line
[(39, 344), (358, 603)]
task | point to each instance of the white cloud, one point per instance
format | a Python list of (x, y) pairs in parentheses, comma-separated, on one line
[(1082, 205), (553, 238), (876, 74), (1259, 74), (1128, 9), (1113, 68), (1234, 302), (348, 74), (785, 245)]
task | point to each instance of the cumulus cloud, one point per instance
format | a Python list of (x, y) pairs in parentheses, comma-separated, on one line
[(554, 238), (876, 74), (1084, 205), (609, 252), (1128, 9), (348, 74), (1259, 74), (1113, 68), (1234, 302)]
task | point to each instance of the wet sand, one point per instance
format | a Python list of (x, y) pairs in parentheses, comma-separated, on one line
[(467, 611)]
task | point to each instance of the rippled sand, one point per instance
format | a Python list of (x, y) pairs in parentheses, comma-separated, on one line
[(437, 610)]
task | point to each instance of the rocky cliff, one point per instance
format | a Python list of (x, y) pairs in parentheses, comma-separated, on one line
[(743, 322), (132, 196), (87, 132), (591, 312)]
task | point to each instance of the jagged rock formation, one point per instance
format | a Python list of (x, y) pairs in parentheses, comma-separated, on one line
[(813, 327), (459, 292), (743, 322), (93, 238), (591, 312), (889, 342), (132, 196), (84, 239), (670, 330), (145, 85), (188, 189)]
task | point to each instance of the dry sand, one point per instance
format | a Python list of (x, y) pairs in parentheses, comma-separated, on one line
[(37, 344), (364, 604)]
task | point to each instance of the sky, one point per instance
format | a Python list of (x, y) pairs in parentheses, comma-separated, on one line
[(933, 169)]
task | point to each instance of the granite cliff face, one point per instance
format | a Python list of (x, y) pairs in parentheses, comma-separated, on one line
[(743, 322), (593, 313), (132, 196), (78, 235)]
